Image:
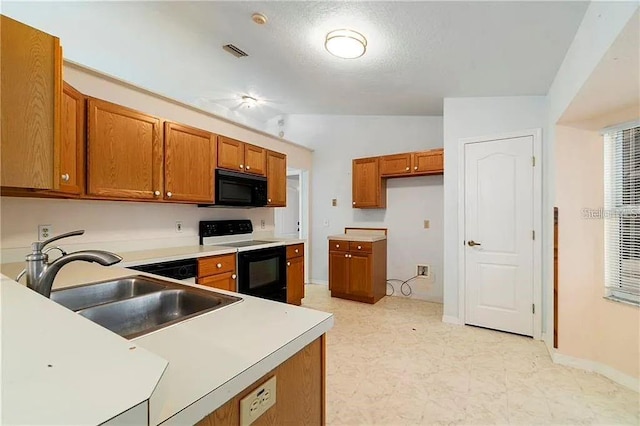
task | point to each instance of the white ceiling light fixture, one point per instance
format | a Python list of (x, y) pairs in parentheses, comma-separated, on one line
[(346, 44), (249, 101)]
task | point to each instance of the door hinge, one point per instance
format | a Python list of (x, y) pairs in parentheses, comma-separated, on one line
[(533, 308), (533, 235), (533, 161)]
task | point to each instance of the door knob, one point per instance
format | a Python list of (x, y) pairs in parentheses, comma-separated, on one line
[(473, 244)]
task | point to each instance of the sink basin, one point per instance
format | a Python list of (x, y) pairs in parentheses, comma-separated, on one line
[(140, 315), (137, 305), (84, 296)]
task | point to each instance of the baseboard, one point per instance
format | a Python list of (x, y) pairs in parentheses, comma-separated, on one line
[(451, 320), (318, 282), (624, 379)]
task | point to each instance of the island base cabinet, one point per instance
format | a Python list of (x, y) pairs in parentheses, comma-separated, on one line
[(300, 393), (358, 270)]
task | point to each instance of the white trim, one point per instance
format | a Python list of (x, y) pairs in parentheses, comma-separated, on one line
[(622, 126), (536, 134), (451, 320), (617, 376)]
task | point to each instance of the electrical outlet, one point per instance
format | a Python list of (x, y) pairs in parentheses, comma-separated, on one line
[(44, 232), (334, 202), (258, 402), (262, 224), (179, 226), (424, 271)]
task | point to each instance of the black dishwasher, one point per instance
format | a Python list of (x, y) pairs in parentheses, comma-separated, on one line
[(183, 270)]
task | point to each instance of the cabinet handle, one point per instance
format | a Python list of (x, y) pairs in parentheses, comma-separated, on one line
[(65, 177), (288, 263), (234, 276), (219, 265), (248, 167), (359, 247), (346, 255), (407, 169), (350, 256), (169, 194), (354, 203), (269, 200), (337, 245), (415, 168), (156, 193), (297, 251), (242, 166)]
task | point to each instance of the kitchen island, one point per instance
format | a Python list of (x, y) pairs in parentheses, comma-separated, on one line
[(183, 372)]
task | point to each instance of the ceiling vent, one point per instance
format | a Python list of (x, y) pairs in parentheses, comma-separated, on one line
[(234, 51)]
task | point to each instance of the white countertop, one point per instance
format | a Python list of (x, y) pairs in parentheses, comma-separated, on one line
[(357, 237), (210, 358)]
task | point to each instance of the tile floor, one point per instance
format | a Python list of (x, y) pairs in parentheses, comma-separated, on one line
[(397, 363)]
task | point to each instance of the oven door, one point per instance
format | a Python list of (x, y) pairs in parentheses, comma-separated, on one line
[(239, 189), (263, 273)]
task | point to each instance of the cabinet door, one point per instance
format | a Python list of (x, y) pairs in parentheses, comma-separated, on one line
[(276, 179), (230, 154), (225, 281), (71, 176), (255, 159), (189, 163), (295, 280), (394, 165), (360, 274), (339, 272), (124, 152), (30, 106), (368, 188), (429, 162)]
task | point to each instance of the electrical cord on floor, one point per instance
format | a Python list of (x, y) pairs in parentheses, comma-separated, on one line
[(402, 286)]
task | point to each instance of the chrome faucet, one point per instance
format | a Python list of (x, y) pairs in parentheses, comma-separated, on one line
[(40, 273)]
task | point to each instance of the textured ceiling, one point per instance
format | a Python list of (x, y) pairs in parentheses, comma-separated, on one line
[(418, 52)]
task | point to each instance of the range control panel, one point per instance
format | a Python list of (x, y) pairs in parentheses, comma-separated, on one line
[(219, 228)]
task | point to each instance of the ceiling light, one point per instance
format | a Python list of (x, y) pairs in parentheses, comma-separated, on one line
[(259, 18), (249, 101), (346, 44)]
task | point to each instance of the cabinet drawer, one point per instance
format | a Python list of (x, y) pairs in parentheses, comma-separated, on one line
[(338, 245), (216, 265), (360, 246), (295, 250)]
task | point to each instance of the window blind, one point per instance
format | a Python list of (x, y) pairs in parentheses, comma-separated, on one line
[(622, 214)]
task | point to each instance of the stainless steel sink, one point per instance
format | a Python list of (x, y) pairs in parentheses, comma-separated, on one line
[(84, 296), (134, 306)]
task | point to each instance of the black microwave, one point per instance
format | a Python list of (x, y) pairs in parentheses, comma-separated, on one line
[(240, 189)]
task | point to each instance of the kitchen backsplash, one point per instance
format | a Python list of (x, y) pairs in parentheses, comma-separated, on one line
[(111, 225)]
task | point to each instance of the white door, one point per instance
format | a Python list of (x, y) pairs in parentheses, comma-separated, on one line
[(499, 234), (288, 218)]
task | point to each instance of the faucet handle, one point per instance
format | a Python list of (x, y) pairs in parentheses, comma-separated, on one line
[(37, 246)]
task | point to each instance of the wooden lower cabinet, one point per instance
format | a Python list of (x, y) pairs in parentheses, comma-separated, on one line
[(359, 273), (295, 274), (218, 272), (300, 392)]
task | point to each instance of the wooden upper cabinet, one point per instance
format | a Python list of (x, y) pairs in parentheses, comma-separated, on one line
[(276, 179), (398, 164), (368, 187), (255, 159), (230, 154), (428, 162), (71, 177), (189, 163), (30, 106), (124, 152)]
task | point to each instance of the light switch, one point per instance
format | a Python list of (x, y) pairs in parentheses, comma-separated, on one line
[(334, 202), (426, 224)]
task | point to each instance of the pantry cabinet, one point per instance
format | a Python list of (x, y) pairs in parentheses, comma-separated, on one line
[(295, 274), (71, 176), (218, 271), (124, 153), (276, 179), (368, 188), (358, 270), (30, 106), (189, 163)]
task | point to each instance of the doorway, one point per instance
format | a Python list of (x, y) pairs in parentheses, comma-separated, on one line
[(500, 217)]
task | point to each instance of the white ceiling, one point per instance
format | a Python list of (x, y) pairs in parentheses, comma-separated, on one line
[(418, 52)]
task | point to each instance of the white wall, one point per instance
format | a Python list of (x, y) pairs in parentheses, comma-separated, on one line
[(336, 141), (468, 117)]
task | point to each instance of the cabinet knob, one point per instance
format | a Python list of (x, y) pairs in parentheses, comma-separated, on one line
[(269, 200), (156, 193), (337, 245), (65, 177), (242, 166), (219, 265), (354, 203), (288, 263), (169, 194), (359, 247), (297, 251), (248, 167), (234, 276), (407, 168), (415, 167), (346, 255), (350, 256)]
